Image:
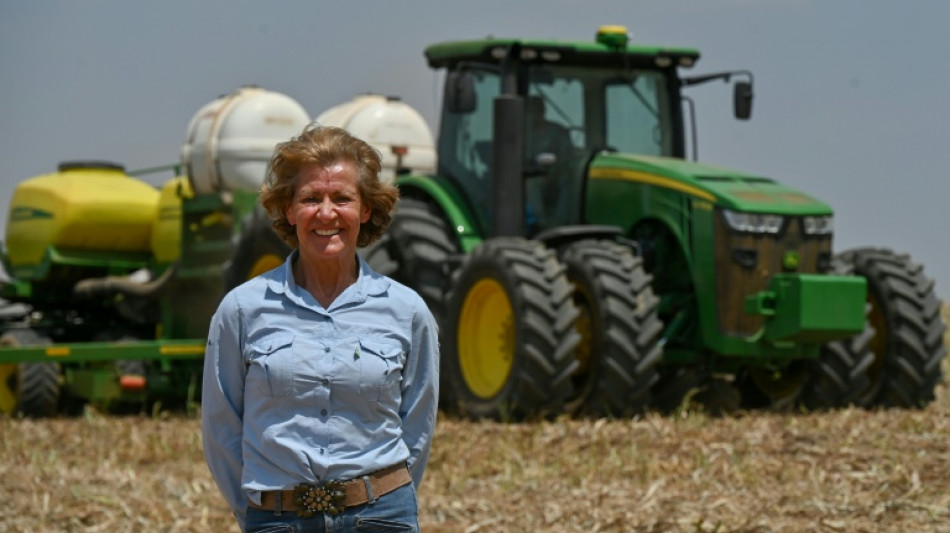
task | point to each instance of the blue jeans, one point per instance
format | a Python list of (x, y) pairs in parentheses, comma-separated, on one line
[(396, 511)]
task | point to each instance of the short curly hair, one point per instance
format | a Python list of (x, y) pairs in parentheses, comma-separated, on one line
[(323, 146)]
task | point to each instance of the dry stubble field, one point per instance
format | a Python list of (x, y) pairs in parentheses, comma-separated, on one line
[(846, 471)]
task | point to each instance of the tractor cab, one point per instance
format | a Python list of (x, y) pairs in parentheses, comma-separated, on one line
[(571, 102)]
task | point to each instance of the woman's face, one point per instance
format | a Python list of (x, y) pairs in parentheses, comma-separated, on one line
[(327, 210)]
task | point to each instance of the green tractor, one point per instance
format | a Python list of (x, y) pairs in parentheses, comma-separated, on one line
[(578, 262)]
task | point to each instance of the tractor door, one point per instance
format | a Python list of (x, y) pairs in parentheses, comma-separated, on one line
[(466, 134), (555, 150), (572, 112)]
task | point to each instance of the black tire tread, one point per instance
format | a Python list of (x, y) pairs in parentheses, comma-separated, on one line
[(626, 328), (38, 385), (909, 371), (541, 297)]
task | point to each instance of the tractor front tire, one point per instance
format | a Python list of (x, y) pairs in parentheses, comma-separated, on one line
[(839, 375), (510, 338), (907, 342), (619, 328)]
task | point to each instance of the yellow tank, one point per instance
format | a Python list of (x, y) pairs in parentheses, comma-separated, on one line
[(84, 206), (166, 232)]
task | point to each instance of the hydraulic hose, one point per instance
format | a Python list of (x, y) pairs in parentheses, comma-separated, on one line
[(125, 285)]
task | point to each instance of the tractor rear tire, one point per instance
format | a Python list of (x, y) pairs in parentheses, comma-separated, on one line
[(415, 251), (35, 387), (908, 331), (510, 338), (619, 328), (257, 249)]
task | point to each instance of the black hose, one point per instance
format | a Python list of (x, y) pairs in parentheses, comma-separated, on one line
[(125, 285)]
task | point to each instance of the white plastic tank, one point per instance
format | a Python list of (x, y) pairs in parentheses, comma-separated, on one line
[(389, 125), (231, 139)]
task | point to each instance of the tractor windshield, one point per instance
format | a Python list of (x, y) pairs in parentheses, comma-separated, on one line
[(572, 112), (604, 108)]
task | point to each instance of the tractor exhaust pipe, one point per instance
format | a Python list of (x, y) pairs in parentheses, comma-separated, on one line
[(507, 184)]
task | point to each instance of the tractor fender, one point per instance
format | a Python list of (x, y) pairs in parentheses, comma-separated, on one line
[(556, 238), (451, 203)]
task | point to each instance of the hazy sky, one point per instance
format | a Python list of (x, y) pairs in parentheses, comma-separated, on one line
[(852, 97)]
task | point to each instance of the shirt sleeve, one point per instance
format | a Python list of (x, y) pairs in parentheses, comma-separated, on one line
[(222, 404), (420, 392)]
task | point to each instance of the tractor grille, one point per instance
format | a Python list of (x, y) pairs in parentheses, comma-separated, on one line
[(746, 262)]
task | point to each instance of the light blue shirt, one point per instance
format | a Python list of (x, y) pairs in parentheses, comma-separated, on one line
[(297, 393)]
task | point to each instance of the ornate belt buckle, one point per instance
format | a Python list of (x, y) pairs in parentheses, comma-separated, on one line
[(328, 497)]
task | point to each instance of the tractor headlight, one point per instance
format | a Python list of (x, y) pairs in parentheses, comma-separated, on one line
[(753, 222), (823, 225)]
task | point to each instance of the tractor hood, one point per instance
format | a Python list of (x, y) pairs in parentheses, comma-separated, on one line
[(724, 188)]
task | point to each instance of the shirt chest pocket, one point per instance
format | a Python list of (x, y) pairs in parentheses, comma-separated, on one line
[(380, 369), (271, 364)]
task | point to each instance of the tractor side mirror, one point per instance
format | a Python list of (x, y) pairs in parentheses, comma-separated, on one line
[(460, 92), (742, 100)]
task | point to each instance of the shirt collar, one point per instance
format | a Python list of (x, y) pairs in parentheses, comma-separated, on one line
[(368, 282)]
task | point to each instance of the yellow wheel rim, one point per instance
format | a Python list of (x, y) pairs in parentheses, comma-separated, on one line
[(263, 264), (7, 388), (486, 339)]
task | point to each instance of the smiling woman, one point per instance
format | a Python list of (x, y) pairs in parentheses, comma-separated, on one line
[(327, 212), (321, 375)]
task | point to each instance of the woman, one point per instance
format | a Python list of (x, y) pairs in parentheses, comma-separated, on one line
[(321, 376)]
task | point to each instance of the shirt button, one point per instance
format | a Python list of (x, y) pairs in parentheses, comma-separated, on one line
[(323, 412), (325, 381), (326, 349)]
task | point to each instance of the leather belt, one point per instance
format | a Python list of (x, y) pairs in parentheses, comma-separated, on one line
[(352, 493)]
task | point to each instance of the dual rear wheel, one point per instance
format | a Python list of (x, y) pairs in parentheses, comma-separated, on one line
[(619, 326), (510, 339), (531, 334)]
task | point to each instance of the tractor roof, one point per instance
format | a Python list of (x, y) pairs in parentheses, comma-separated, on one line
[(609, 48)]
